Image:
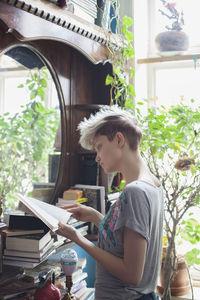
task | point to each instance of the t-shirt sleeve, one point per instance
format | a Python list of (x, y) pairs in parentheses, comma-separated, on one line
[(134, 211)]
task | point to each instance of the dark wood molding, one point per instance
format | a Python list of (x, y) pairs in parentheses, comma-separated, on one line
[(89, 39)]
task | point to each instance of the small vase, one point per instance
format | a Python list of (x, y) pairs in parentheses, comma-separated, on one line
[(172, 42)]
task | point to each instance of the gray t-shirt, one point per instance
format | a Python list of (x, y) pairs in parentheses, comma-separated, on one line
[(140, 208)]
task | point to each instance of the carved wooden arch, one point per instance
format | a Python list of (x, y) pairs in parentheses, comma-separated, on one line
[(75, 63)]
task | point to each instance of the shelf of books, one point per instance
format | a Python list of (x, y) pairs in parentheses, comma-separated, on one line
[(26, 284), (31, 238), (28, 248), (31, 242)]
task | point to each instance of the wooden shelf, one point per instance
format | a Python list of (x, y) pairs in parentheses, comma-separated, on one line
[(159, 59)]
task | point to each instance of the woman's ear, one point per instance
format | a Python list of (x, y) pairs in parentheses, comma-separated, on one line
[(120, 139)]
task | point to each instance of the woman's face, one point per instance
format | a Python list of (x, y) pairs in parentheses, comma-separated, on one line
[(108, 153)]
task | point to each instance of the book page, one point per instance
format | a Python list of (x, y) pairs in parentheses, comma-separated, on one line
[(48, 213)]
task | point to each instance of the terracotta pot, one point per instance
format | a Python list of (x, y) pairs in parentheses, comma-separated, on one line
[(180, 285)]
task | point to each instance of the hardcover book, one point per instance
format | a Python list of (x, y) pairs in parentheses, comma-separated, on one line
[(31, 259), (48, 213), (24, 222), (14, 232), (16, 253), (32, 242)]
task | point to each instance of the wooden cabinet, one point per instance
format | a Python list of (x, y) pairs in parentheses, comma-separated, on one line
[(75, 53)]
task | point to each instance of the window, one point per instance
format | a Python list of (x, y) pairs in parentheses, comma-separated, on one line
[(191, 19), (13, 98), (30, 118), (177, 83), (169, 82)]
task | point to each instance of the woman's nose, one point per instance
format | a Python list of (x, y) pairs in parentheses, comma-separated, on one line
[(97, 158)]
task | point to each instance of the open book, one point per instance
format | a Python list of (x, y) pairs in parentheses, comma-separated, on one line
[(48, 213)]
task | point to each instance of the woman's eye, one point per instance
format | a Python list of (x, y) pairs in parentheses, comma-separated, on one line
[(99, 147)]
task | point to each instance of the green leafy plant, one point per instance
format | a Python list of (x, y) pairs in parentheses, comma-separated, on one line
[(190, 232), (170, 146), (119, 186), (121, 90), (26, 140)]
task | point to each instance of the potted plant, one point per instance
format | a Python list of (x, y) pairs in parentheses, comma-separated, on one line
[(170, 146), (174, 39)]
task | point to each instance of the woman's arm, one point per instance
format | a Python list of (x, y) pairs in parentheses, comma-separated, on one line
[(128, 269), (97, 217)]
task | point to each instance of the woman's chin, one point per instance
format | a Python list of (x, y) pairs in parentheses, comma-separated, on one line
[(107, 171)]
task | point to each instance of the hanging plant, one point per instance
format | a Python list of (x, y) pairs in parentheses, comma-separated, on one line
[(121, 90)]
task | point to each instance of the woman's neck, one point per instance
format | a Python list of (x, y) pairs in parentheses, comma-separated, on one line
[(133, 166)]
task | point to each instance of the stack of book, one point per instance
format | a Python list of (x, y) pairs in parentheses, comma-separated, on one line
[(28, 241), (87, 295), (27, 248), (85, 9), (81, 226), (95, 195), (90, 195), (71, 196)]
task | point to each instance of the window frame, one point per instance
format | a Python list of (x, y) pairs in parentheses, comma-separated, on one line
[(149, 69)]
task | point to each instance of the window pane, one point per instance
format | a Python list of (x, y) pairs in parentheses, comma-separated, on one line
[(177, 84), (14, 97)]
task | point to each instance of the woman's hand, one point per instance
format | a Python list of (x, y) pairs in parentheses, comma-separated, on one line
[(84, 213), (67, 231)]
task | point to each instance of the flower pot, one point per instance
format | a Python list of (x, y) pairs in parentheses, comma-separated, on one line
[(180, 285), (172, 42)]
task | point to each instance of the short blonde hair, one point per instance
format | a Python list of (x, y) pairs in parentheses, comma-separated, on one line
[(108, 121)]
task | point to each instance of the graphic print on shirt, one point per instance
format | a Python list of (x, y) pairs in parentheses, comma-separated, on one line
[(107, 225)]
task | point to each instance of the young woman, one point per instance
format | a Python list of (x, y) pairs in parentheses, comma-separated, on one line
[(129, 247)]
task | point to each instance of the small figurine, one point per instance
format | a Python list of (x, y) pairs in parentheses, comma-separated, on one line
[(69, 261)]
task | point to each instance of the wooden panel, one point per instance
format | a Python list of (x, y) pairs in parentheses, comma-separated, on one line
[(88, 81), (88, 92), (17, 21)]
